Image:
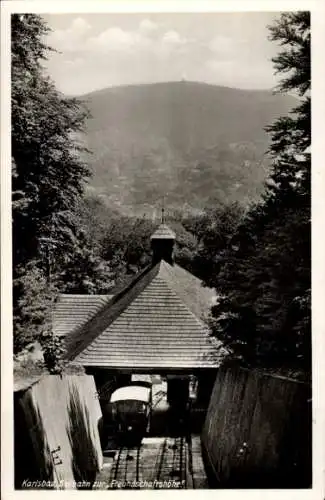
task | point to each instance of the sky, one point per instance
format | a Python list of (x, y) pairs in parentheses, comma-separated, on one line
[(102, 50)]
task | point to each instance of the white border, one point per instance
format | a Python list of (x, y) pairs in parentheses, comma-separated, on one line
[(147, 6), (318, 208)]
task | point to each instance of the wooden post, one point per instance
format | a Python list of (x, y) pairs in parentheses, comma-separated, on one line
[(178, 390)]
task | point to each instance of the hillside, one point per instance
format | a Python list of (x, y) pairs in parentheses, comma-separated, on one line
[(194, 143)]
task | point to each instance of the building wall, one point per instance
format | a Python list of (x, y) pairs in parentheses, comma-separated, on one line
[(56, 433), (257, 431)]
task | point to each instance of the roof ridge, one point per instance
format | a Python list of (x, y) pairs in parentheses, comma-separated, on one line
[(185, 271), (77, 343), (201, 322), (178, 288)]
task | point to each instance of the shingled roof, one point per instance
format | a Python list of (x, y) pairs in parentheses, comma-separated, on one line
[(73, 311), (157, 322), (163, 232)]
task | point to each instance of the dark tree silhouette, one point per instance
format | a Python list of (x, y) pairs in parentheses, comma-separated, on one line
[(264, 311)]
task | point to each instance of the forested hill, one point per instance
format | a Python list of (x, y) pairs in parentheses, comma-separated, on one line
[(194, 143)]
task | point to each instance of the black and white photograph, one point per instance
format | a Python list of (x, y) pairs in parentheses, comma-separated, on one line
[(160, 244)]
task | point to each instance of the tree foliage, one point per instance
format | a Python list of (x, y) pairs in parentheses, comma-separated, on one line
[(48, 179), (258, 260), (124, 241), (33, 304), (263, 313), (48, 175)]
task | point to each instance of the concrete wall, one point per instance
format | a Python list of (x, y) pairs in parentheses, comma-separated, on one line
[(56, 433), (257, 431)]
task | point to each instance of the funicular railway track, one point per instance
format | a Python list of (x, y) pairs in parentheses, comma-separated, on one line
[(126, 468), (172, 465), (151, 466)]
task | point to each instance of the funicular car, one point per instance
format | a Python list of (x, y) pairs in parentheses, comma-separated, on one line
[(131, 407)]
